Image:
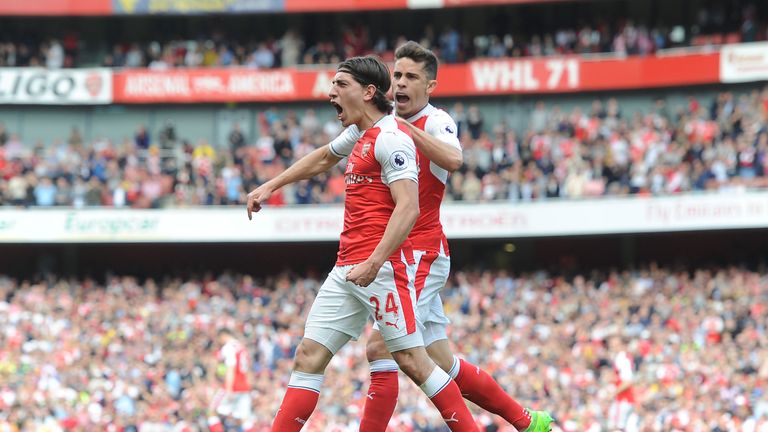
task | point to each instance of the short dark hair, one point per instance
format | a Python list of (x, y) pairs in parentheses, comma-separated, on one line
[(370, 70), (419, 54)]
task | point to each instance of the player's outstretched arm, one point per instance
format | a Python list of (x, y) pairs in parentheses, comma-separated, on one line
[(318, 161), (446, 156), (405, 194)]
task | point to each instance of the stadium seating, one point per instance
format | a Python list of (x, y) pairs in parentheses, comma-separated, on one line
[(133, 353), (592, 151)]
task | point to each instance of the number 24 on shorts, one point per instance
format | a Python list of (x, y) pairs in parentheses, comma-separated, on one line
[(389, 306)]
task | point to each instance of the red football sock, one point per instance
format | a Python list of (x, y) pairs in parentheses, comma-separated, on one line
[(299, 402), (380, 402), (214, 424), (445, 394), (480, 388)]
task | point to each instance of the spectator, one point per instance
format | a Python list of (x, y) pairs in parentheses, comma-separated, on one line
[(93, 193), (236, 138), (263, 57), (45, 193), (474, 121), (54, 55), (142, 139), (134, 58), (167, 135), (749, 26), (539, 117), (449, 45), (3, 134), (63, 195)]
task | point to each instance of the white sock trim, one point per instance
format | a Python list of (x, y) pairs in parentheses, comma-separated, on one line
[(454, 372), (436, 382), (306, 381), (385, 365)]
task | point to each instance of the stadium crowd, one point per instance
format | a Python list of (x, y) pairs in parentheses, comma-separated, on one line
[(130, 355), (224, 47), (595, 150)]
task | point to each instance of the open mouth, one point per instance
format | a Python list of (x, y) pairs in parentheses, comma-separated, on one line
[(339, 109), (402, 98)]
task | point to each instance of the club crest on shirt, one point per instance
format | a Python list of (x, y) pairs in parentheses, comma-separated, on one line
[(398, 160), (366, 149)]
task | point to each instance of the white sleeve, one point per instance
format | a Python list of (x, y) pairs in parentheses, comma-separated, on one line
[(397, 156), (624, 366), (344, 143), (228, 353), (441, 126)]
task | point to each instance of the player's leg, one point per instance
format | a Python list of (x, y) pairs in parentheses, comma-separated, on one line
[(382, 393), (438, 386), (335, 317), (480, 388), (242, 411), (381, 397), (304, 386), (391, 299), (216, 410), (614, 417), (476, 385), (624, 413)]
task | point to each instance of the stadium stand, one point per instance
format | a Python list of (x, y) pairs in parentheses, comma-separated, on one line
[(86, 354), (591, 151), (217, 44), (116, 126)]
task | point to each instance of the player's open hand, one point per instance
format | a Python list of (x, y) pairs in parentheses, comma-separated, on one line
[(256, 198), (363, 274)]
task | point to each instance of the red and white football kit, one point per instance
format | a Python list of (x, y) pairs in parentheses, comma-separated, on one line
[(623, 405), (430, 246), (385, 153), (235, 402)]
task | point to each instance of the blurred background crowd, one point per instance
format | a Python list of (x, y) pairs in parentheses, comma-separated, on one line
[(588, 151), (82, 354), (215, 44)]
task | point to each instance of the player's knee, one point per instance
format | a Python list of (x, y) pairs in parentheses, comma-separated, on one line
[(441, 354), (376, 349), (311, 357), (415, 363), (444, 363)]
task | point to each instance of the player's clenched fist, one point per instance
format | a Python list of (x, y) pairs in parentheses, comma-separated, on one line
[(364, 273), (256, 197)]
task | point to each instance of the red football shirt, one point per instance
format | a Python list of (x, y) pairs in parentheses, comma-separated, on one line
[(385, 153), (427, 234), (235, 357)]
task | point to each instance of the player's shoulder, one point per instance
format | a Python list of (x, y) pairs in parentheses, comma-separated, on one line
[(441, 121), (432, 112), (391, 130), (440, 114)]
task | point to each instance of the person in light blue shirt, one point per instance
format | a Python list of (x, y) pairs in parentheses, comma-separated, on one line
[(45, 193)]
